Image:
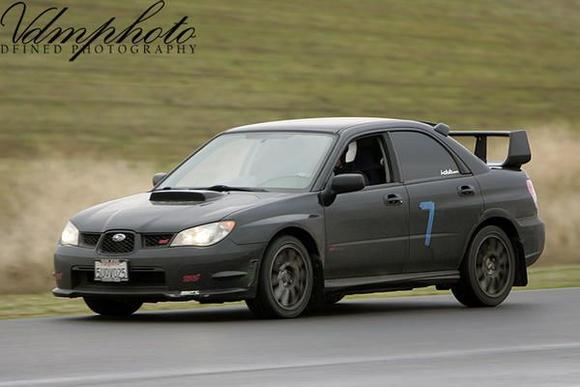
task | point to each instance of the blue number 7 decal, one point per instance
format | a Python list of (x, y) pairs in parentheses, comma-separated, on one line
[(429, 206)]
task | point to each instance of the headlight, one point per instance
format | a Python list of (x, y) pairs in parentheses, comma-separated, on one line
[(205, 235), (70, 235)]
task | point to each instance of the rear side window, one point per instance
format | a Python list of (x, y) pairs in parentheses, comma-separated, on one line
[(421, 157)]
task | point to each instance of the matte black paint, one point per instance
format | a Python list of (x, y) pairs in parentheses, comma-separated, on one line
[(368, 240)]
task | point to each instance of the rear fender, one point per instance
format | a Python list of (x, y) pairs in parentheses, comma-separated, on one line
[(502, 219)]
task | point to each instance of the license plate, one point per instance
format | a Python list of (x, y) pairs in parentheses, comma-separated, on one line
[(111, 270)]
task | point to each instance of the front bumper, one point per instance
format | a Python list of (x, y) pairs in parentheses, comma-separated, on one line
[(224, 272)]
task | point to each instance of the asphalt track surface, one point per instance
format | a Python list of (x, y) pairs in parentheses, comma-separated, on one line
[(532, 340)]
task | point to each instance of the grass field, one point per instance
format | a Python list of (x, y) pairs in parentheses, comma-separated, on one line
[(45, 305), (476, 64), (74, 134)]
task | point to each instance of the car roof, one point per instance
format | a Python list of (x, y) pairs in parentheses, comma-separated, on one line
[(328, 124), (352, 126)]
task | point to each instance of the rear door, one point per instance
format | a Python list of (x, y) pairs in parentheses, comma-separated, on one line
[(444, 201), (367, 231)]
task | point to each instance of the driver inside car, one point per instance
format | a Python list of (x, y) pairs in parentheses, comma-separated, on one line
[(361, 157)]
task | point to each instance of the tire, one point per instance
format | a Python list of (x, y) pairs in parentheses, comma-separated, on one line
[(285, 282), (488, 270), (113, 307)]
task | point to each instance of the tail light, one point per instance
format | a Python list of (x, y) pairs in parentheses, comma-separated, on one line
[(532, 191)]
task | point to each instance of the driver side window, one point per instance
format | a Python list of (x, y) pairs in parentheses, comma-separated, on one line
[(368, 157)]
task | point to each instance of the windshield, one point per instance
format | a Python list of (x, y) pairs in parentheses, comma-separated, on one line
[(260, 160)]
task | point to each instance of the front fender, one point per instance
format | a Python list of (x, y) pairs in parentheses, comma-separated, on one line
[(263, 230), (260, 225)]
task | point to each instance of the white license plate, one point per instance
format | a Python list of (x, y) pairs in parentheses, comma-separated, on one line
[(111, 270)]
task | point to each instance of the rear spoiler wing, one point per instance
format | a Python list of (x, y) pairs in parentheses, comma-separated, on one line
[(518, 150)]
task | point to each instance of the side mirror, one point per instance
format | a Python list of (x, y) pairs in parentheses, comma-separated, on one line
[(348, 182), (158, 177)]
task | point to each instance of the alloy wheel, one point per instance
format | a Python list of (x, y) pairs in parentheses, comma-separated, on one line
[(289, 276), (492, 266)]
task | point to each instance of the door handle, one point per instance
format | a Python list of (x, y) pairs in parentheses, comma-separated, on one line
[(392, 200), (465, 190)]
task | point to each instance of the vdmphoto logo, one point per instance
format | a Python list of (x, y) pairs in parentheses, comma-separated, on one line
[(47, 32)]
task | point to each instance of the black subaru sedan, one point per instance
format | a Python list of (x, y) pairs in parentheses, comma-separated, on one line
[(294, 215)]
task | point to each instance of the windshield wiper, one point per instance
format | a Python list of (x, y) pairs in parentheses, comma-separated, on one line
[(226, 188)]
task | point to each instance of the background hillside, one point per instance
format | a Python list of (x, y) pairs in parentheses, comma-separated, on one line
[(72, 134), (496, 64)]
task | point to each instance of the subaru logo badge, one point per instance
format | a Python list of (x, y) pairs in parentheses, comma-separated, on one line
[(119, 237)]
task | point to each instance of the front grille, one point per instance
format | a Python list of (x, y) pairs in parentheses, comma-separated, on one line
[(138, 277), (109, 245), (90, 239), (156, 240)]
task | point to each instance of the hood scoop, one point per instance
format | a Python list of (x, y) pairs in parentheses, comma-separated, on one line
[(183, 196)]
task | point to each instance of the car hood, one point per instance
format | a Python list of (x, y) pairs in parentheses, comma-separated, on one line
[(140, 214)]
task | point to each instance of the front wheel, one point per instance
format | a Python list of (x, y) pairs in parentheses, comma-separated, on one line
[(113, 307), (285, 282), (488, 270)]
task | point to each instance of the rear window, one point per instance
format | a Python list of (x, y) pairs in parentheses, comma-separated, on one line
[(421, 157)]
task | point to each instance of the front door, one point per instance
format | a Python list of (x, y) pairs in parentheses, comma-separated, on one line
[(367, 231)]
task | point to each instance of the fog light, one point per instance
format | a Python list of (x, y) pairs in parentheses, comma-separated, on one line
[(190, 278)]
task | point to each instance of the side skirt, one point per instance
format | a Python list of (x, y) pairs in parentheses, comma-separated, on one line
[(406, 281)]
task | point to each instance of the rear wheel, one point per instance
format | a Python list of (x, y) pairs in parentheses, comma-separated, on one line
[(488, 270), (285, 282), (113, 307)]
